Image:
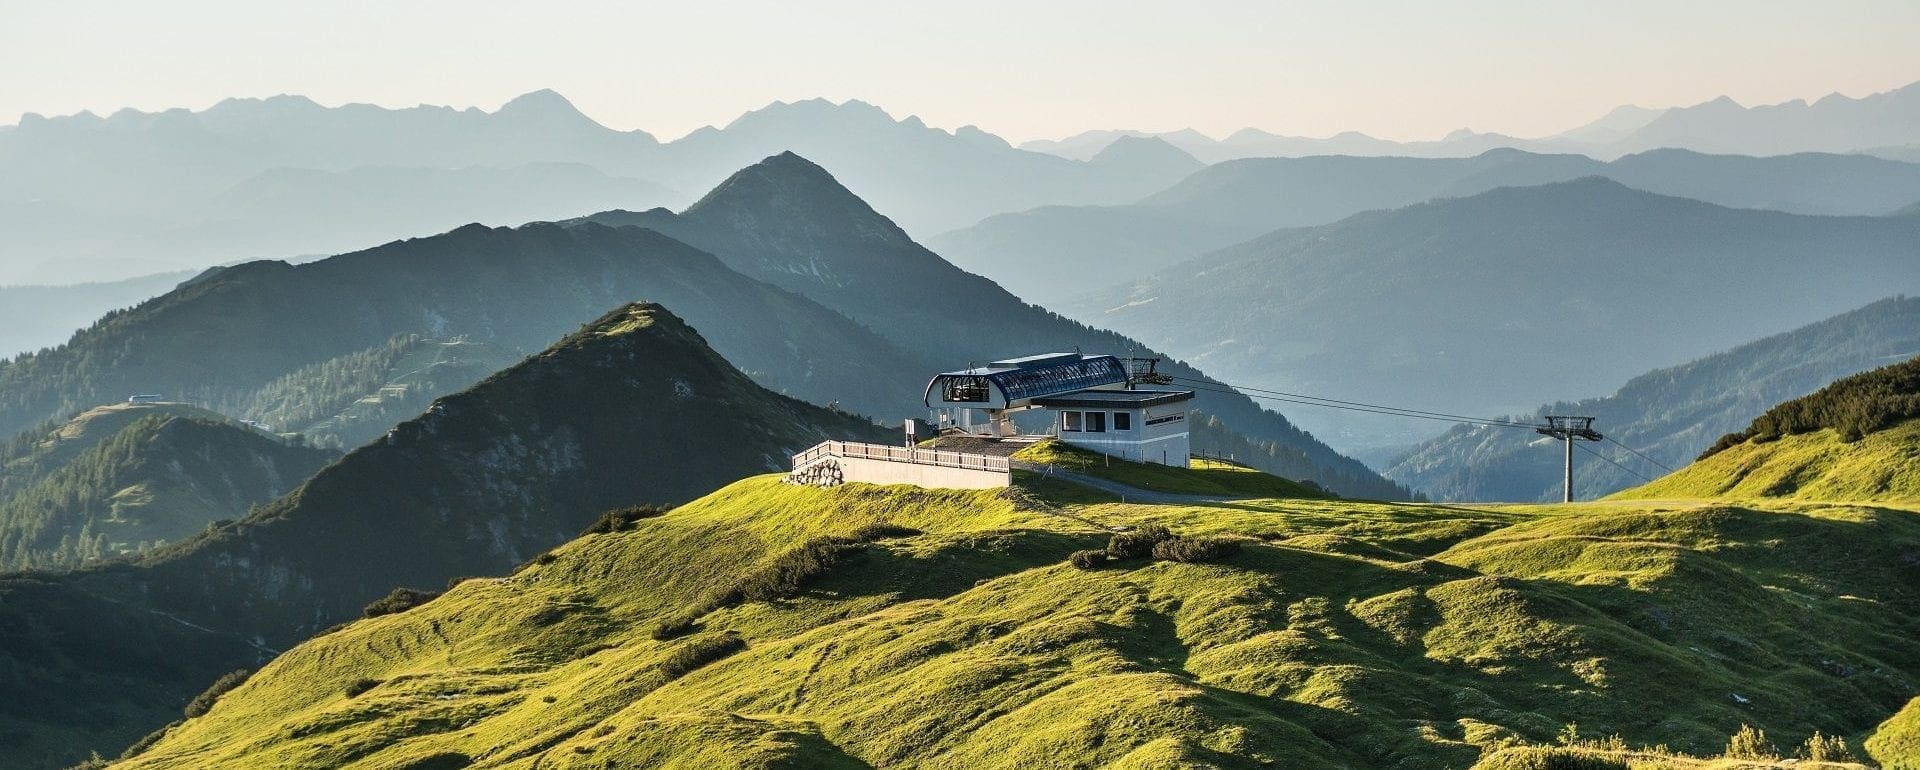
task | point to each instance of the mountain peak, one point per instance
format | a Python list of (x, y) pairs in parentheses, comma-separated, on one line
[(1146, 151), (790, 194), (544, 103)]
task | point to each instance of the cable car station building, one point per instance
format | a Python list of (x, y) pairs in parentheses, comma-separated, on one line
[(1096, 402)]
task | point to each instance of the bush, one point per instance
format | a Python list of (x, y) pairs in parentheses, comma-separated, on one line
[(788, 573), (1137, 543), (1549, 758), (147, 741), (1826, 748), (623, 519), (358, 686), (399, 600), (1751, 743), (671, 627), (1195, 550), (204, 701), (699, 652), (883, 530), (1089, 560)]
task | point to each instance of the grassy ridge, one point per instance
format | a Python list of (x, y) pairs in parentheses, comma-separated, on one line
[(1883, 465), (1202, 477), (1341, 634)]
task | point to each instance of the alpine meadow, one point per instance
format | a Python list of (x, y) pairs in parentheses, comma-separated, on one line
[(771, 386)]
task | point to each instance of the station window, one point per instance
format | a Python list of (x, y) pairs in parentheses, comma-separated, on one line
[(1123, 421), (1096, 422), (1070, 421)]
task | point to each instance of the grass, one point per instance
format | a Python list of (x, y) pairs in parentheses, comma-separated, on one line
[(1203, 476), (1883, 465), (948, 630)]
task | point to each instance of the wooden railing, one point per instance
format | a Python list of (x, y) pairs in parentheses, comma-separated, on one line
[(899, 454)]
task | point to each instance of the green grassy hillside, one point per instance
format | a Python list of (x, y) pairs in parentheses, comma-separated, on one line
[(1883, 465), (768, 625), (1896, 743)]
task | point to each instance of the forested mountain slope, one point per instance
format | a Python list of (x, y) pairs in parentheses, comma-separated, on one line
[(1856, 439), (221, 338), (1671, 415), (128, 488)]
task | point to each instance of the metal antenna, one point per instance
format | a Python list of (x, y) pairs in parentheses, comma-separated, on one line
[(1567, 429)]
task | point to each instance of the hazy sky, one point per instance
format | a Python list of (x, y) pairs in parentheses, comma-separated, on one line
[(1401, 70)]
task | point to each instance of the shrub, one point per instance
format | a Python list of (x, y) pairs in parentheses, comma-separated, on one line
[(204, 701), (548, 615), (358, 686), (699, 652), (883, 530), (1136, 543), (671, 627), (1549, 758), (789, 572), (1826, 748), (147, 741), (1090, 559), (1194, 550), (1751, 743), (623, 519), (399, 600)]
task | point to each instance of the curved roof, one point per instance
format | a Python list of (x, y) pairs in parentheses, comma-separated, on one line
[(1040, 376)]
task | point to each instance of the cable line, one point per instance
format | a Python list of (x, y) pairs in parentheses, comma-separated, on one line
[(1643, 455), (1359, 406), (1636, 474), (1383, 410)]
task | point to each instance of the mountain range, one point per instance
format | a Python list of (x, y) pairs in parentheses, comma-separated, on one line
[(1483, 305), (1875, 124), (91, 198), (1669, 415), (1052, 254)]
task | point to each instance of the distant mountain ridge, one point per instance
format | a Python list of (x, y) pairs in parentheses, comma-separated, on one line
[(1047, 254), (1454, 305), (284, 176), (1670, 414), (1834, 123)]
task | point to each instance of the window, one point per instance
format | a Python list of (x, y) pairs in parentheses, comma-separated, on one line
[(1096, 422), (1070, 421), (966, 390), (1123, 421)]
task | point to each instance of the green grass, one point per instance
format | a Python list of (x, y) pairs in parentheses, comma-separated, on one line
[(1883, 465), (1202, 476), (1341, 634), (1896, 742)]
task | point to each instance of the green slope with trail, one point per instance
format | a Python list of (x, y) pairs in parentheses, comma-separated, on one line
[(770, 625)]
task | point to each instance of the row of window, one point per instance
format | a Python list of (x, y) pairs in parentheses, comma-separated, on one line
[(1094, 422)]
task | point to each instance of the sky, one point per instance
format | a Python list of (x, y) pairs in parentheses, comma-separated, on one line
[(1395, 69)]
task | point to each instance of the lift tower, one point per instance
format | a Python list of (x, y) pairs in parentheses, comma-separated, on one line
[(1567, 429)]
